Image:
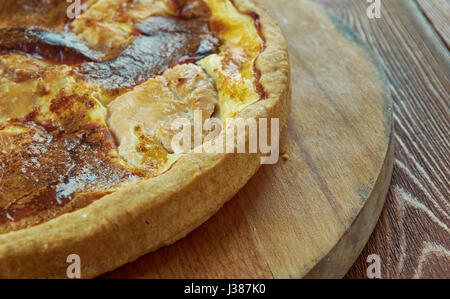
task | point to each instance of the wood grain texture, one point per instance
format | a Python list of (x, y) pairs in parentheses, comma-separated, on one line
[(294, 217), (412, 237), (438, 14)]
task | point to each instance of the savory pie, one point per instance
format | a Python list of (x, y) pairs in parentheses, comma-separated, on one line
[(87, 106)]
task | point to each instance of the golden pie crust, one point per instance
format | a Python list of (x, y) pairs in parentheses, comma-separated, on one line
[(141, 217)]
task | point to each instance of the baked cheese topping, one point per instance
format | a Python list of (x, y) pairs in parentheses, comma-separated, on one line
[(233, 67), (87, 105)]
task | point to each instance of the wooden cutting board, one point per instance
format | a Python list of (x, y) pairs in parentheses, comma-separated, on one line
[(312, 213)]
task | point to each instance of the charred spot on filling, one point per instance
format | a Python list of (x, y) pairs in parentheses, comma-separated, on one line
[(162, 43), (60, 165), (58, 47)]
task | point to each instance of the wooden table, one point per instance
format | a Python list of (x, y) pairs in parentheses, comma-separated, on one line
[(411, 39)]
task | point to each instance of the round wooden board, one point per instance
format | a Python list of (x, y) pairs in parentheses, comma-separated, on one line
[(310, 215)]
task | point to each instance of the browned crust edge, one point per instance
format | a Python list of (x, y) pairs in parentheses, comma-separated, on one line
[(143, 217)]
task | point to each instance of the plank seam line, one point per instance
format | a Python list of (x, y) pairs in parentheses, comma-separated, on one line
[(322, 183)]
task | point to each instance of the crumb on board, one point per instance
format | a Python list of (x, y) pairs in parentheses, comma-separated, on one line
[(284, 155)]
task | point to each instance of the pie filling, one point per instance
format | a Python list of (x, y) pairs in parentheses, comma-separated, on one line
[(86, 105)]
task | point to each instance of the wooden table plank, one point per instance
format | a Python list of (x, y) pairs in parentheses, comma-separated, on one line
[(438, 14), (412, 237)]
